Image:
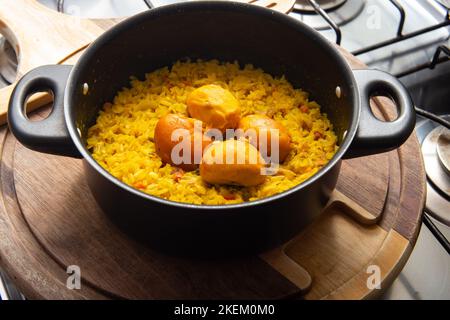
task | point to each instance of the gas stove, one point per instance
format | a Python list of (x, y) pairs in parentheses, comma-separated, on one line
[(408, 38)]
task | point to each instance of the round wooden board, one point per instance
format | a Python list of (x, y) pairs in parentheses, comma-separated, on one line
[(49, 221)]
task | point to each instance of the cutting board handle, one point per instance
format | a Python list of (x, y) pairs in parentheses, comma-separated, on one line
[(40, 36)]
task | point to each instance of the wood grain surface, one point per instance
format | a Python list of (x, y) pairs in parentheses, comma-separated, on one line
[(49, 220)]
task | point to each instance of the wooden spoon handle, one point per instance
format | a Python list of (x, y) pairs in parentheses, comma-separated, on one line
[(283, 6), (290, 269)]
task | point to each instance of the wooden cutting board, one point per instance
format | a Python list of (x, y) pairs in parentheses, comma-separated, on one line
[(49, 221), (42, 36)]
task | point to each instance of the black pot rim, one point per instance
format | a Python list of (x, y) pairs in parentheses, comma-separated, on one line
[(212, 5)]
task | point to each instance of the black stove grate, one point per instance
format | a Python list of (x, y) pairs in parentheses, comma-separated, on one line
[(441, 54)]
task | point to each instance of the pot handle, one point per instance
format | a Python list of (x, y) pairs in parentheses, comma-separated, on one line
[(49, 135), (373, 135)]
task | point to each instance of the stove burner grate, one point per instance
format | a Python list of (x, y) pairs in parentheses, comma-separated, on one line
[(323, 14), (324, 9), (305, 6), (438, 178), (434, 167), (8, 62)]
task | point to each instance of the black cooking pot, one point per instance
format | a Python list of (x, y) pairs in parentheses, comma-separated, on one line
[(226, 31)]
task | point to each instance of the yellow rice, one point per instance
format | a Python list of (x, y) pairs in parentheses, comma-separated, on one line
[(122, 138)]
